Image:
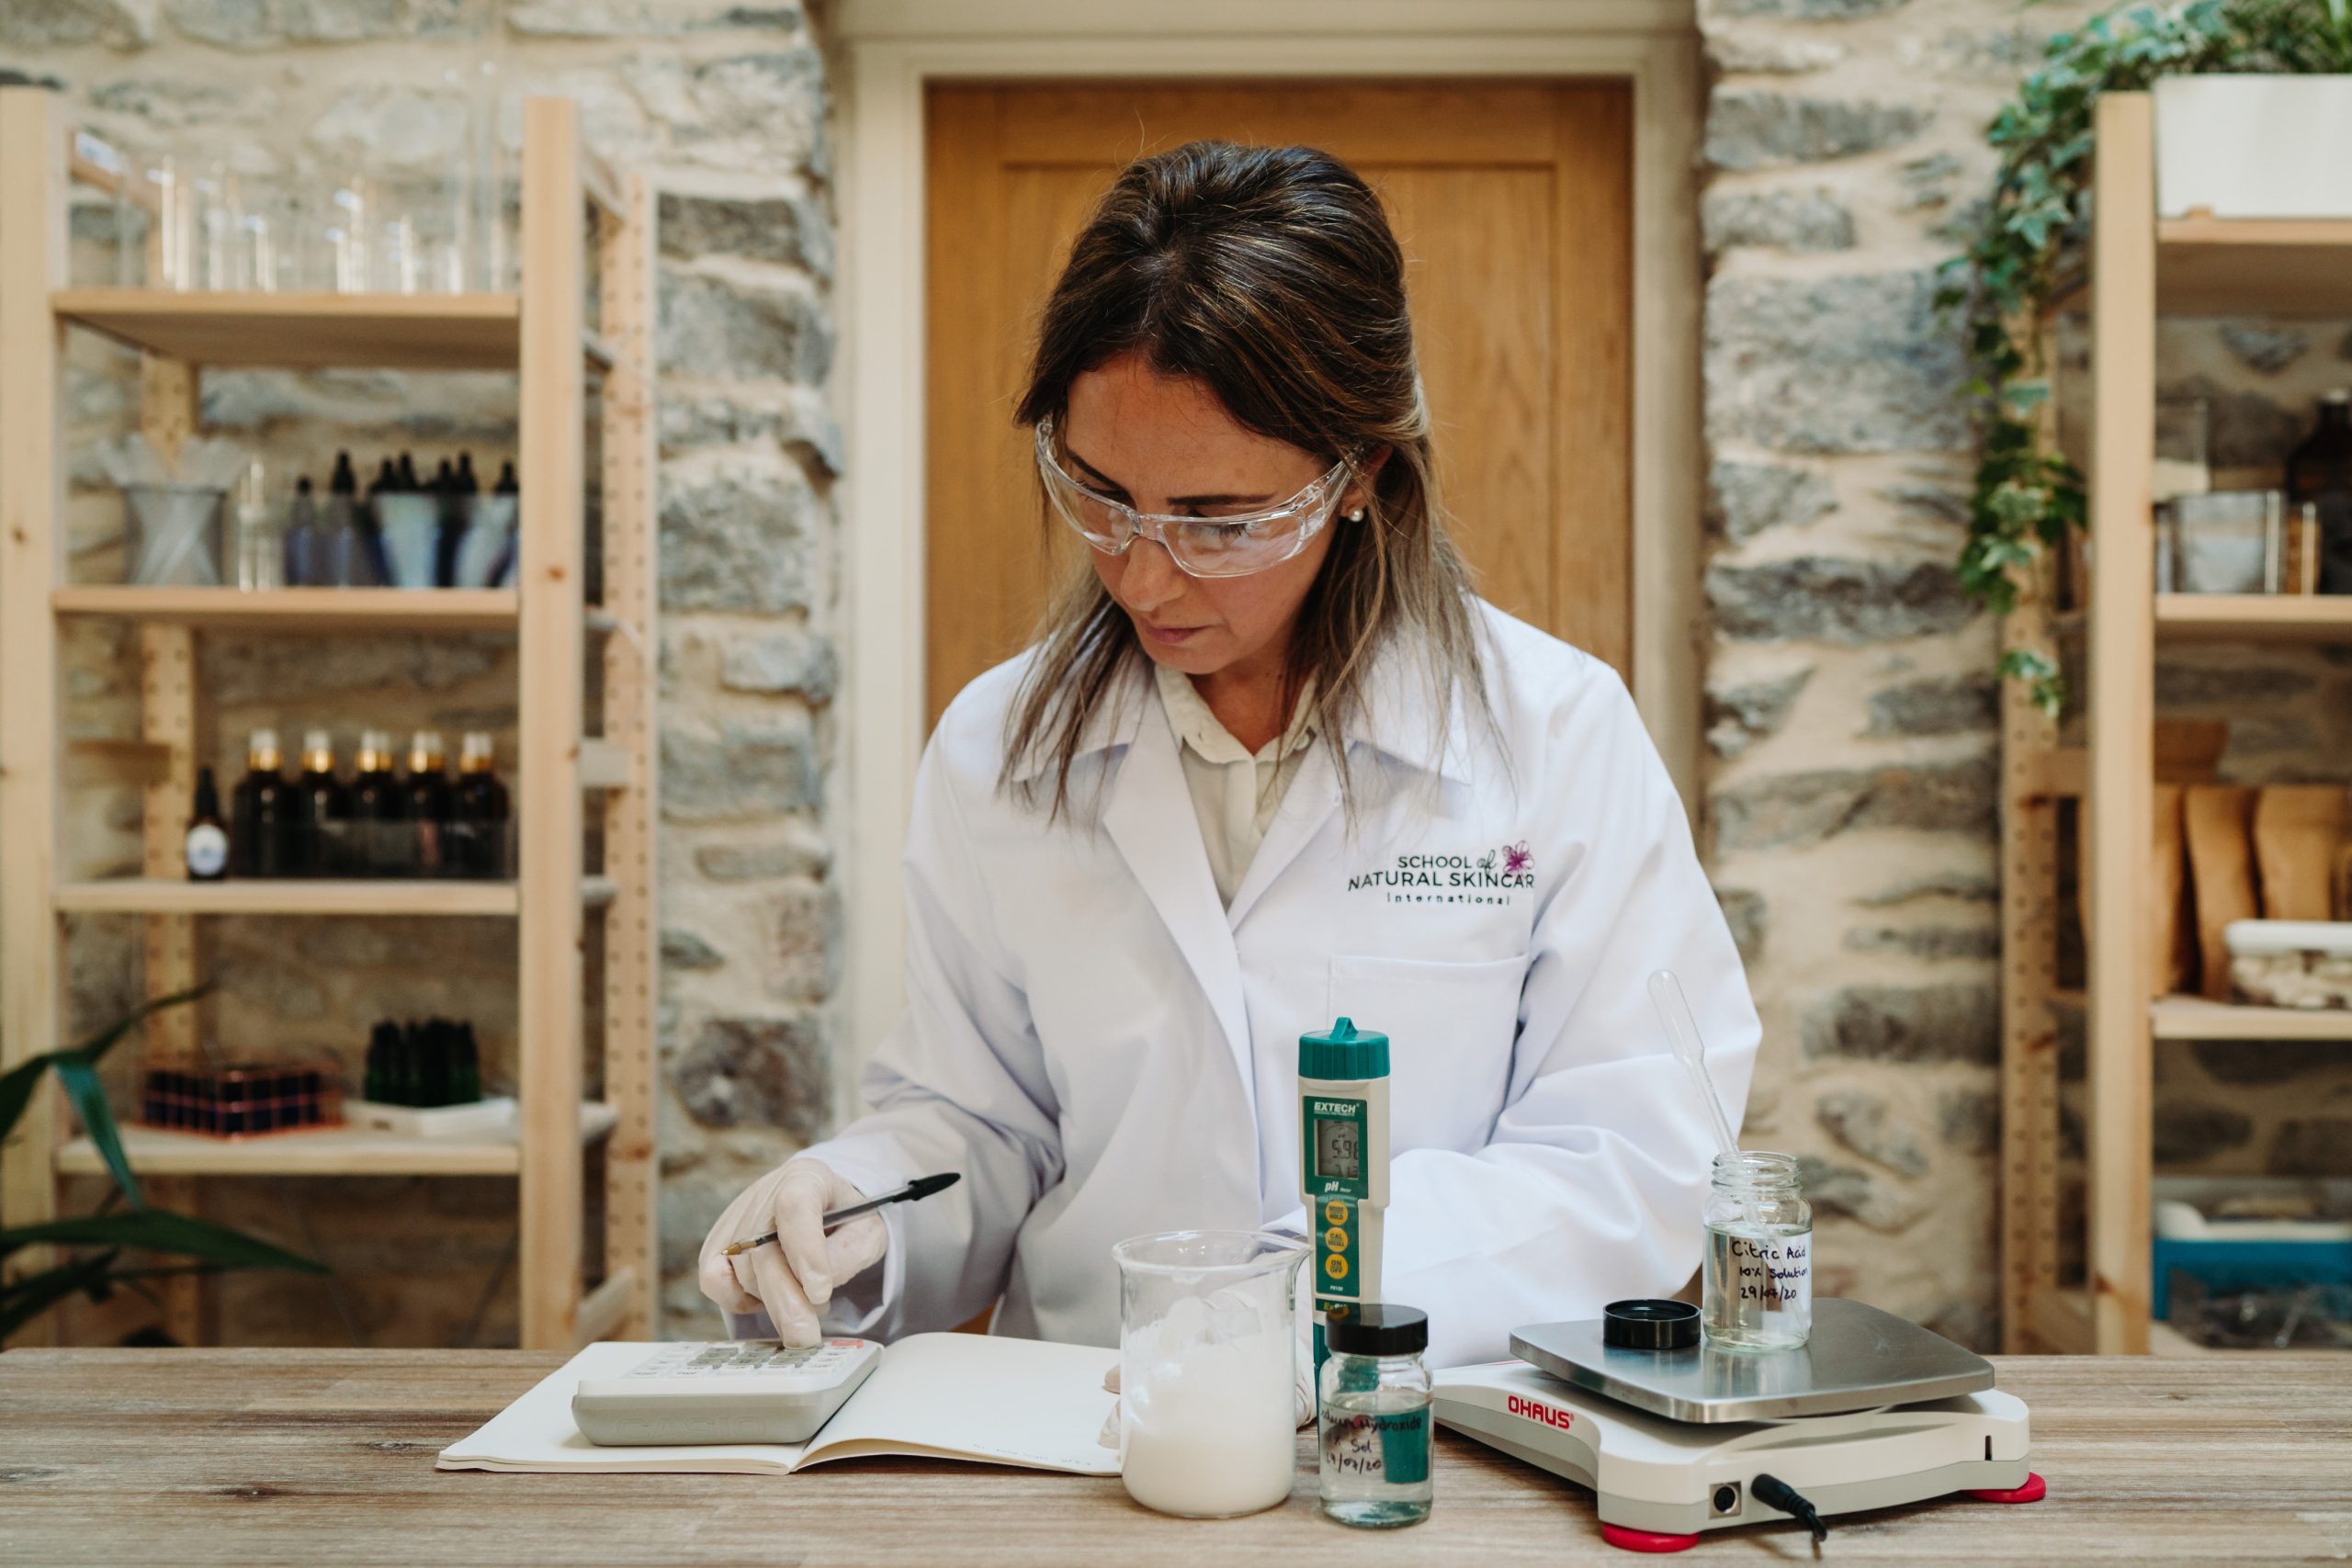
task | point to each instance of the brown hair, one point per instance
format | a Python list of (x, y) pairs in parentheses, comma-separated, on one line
[(1268, 274)]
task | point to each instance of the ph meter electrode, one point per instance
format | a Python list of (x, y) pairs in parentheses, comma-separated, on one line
[(1344, 1163)]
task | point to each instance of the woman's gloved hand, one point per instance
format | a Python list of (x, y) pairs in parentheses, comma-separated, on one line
[(793, 1277)]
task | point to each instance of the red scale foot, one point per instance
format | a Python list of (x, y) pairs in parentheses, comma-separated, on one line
[(1645, 1540), (2033, 1491)]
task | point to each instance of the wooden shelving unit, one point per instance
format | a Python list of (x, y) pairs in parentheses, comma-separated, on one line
[(161, 896), (2253, 617), (2140, 268), (331, 1151), (2196, 1018), (300, 609), (542, 335)]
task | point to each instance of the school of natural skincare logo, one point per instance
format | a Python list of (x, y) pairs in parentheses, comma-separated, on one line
[(1494, 877)]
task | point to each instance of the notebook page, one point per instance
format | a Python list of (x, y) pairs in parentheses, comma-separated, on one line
[(976, 1396), (536, 1432)]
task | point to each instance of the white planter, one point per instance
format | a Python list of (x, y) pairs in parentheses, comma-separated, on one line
[(2253, 146)]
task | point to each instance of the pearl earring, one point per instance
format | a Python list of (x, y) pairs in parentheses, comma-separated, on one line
[(1357, 516)]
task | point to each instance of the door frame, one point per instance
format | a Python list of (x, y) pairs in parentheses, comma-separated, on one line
[(895, 48)]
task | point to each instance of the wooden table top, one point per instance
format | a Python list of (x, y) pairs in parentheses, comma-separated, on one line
[(156, 1457)]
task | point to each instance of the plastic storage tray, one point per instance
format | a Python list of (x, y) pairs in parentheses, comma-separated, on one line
[(2237, 1255)]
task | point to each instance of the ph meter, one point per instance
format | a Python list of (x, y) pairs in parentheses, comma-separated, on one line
[(1344, 1163)]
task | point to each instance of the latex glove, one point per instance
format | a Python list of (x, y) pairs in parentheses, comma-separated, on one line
[(793, 1277)]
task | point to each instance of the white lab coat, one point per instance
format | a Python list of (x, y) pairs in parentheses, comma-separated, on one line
[(1105, 1051)]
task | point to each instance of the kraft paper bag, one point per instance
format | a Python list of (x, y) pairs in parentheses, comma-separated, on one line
[(2297, 829), (2171, 956), (2220, 821)]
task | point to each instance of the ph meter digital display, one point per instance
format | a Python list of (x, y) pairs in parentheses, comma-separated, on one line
[(1343, 1162)]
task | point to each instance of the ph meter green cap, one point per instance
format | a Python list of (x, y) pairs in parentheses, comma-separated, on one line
[(1343, 1053)]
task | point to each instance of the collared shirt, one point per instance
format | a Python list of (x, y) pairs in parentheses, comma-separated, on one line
[(1235, 791)]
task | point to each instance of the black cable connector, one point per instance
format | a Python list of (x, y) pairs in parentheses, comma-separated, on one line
[(1775, 1493)]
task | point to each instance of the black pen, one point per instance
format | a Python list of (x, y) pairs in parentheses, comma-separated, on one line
[(921, 1186)]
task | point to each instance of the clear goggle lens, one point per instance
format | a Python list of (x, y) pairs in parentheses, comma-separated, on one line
[(1208, 545)]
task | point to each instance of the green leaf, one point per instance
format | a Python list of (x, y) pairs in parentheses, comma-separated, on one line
[(158, 1230), (17, 1088), (89, 1098), (16, 1085), (76, 1070), (2021, 398), (23, 1300)]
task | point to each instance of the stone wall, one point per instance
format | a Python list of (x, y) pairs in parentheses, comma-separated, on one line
[(1852, 717), (725, 104)]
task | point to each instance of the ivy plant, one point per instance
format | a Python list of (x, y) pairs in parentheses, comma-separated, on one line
[(2027, 249)]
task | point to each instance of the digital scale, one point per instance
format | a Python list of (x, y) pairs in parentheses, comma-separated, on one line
[(1676, 1437), (727, 1391)]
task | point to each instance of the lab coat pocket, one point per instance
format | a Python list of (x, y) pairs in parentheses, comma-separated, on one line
[(1451, 1028)]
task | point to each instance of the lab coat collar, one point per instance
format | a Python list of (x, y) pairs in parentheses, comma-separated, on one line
[(1114, 723), (1397, 718), (1393, 716)]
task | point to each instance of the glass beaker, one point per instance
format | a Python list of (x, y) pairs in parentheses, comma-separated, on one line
[(2228, 541), (173, 534), (1208, 1355)]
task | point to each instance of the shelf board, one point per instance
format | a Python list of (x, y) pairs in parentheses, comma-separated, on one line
[(298, 609), (330, 1151), (299, 332), (2231, 266), (384, 896), (2255, 618), (2194, 1017)]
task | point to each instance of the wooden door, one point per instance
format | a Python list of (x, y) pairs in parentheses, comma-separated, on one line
[(1512, 201)]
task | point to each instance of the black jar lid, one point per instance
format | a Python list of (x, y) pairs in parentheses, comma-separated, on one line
[(1648, 1324), (1378, 1328)]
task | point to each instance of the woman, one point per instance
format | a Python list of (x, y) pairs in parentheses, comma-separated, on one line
[(1271, 763)]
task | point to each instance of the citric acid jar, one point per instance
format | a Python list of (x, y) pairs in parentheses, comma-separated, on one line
[(1757, 1290)]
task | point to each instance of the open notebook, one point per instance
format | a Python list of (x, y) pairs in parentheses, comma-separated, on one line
[(965, 1397)]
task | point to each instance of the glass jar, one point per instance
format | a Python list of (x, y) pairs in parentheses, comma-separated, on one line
[(1759, 1275), (1373, 1416)]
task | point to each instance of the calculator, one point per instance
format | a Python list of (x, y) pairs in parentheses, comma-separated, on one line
[(744, 1391)]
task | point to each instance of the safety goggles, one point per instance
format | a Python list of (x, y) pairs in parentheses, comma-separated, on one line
[(1210, 545)]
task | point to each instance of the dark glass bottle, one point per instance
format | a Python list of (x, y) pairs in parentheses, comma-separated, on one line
[(480, 838), (322, 812), (465, 1085), (450, 526), (431, 802), (345, 554), (457, 504), (2320, 472), (305, 547), (380, 811), (262, 813), (383, 1040), (206, 848)]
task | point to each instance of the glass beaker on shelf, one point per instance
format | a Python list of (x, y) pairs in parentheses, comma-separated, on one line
[(348, 219), (2227, 541), (173, 534)]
